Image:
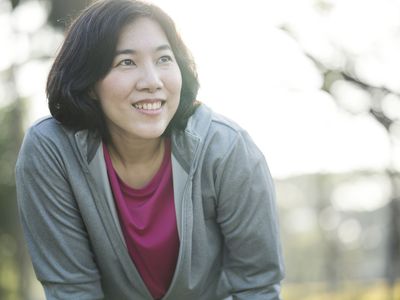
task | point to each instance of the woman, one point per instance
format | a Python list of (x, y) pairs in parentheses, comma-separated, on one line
[(132, 189)]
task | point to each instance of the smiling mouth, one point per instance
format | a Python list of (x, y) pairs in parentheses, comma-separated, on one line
[(149, 106)]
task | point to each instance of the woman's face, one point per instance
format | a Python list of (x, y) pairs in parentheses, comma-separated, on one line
[(140, 94)]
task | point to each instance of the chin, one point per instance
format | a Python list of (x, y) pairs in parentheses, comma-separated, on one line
[(152, 134)]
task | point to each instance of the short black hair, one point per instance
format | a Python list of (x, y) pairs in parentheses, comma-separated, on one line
[(86, 57)]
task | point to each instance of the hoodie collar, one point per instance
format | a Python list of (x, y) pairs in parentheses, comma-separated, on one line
[(185, 144), (88, 144)]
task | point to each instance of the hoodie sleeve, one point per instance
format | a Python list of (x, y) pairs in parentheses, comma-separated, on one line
[(55, 233), (247, 215)]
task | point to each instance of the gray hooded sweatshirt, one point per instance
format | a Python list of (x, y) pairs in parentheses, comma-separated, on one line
[(225, 207)]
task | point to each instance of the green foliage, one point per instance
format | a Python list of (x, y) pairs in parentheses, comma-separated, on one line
[(10, 138)]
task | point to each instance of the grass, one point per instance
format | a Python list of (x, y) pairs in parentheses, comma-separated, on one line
[(377, 290)]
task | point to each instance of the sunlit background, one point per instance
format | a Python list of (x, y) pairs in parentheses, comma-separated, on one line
[(317, 85)]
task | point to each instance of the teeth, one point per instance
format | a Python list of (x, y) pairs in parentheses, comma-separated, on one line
[(148, 106)]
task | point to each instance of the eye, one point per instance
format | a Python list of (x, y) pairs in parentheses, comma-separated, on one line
[(165, 59), (126, 62)]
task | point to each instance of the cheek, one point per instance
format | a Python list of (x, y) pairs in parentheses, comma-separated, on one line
[(175, 82), (178, 89), (102, 89), (110, 87)]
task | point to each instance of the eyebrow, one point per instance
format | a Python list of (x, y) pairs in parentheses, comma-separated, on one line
[(132, 51)]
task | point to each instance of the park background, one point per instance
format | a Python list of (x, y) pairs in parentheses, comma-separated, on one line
[(316, 83)]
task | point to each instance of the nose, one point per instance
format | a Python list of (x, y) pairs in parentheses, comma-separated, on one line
[(149, 79)]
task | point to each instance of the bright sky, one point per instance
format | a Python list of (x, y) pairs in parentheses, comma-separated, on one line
[(257, 75)]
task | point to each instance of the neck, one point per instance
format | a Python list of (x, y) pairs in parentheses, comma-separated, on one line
[(128, 151)]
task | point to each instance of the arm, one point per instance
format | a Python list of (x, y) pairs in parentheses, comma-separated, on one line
[(248, 219), (57, 240)]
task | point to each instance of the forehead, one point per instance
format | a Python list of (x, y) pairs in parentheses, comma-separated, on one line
[(142, 34)]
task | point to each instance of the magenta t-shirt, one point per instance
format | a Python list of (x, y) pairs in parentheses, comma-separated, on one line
[(148, 221)]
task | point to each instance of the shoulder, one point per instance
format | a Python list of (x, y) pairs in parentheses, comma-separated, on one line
[(44, 139), (221, 135), (46, 127), (206, 123)]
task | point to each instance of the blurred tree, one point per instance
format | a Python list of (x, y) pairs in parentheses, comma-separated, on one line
[(330, 249), (346, 71), (12, 255), (393, 256), (376, 110)]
